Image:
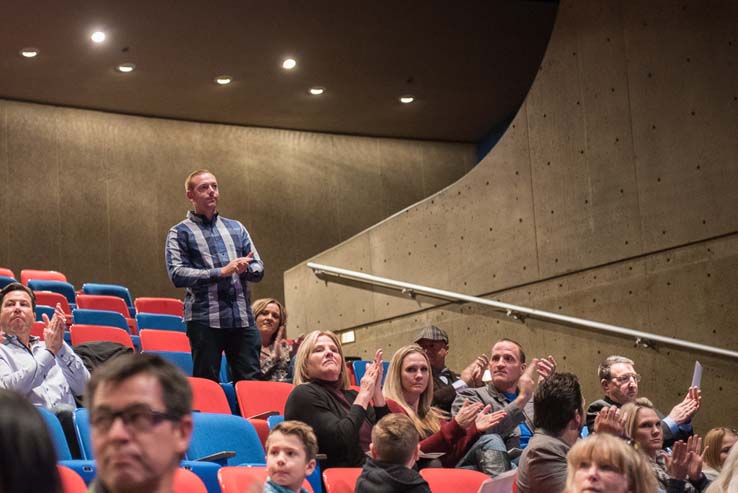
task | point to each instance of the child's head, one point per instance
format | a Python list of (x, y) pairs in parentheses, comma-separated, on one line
[(290, 453), (395, 440)]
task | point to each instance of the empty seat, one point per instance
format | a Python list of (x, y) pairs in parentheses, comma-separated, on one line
[(5, 272), (47, 275), (343, 480), (5, 280), (71, 482), (214, 433), (85, 316), (44, 310), (165, 306), (111, 290), (88, 333), (85, 468), (181, 359), (160, 321), (186, 481), (258, 399), (164, 340), (60, 287), (109, 303), (360, 369), (208, 396), (50, 298), (443, 480), (241, 479)]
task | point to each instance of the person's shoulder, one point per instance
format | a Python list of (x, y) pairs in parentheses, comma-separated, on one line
[(597, 405)]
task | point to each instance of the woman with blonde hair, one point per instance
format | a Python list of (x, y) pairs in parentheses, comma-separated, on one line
[(341, 418), (727, 481), (718, 443), (276, 353), (680, 471), (606, 464), (408, 389)]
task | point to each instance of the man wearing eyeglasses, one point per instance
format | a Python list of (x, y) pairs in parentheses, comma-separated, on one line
[(141, 422), (619, 381)]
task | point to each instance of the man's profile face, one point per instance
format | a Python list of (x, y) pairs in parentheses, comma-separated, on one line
[(17, 315), (623, 384), (137, 456), (204, 193), (436, 352), (505, 366)]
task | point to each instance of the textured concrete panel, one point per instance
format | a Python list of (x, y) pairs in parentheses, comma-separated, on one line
[(685, 118), (33, 182), (84, 162)]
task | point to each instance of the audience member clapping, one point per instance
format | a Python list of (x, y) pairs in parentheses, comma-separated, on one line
[(603, 463), (680, 471), (276, 352), (718, 443), (408, 389), (341, 418)]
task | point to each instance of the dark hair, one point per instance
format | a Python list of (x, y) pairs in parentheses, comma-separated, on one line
[(395, 438), (302, 431), (16, 286), (520, 348), (28, 455), (556, 401), (175, 389)]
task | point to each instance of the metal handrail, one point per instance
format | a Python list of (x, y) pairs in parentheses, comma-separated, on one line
[(515, 311)]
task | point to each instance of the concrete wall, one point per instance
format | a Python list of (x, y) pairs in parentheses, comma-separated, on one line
[(93, 194), (612, 196)]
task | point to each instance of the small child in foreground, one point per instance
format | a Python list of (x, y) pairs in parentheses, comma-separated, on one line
[(290, 457), (394, 450)]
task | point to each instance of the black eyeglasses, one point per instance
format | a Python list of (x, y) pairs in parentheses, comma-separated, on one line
[(138, 418)]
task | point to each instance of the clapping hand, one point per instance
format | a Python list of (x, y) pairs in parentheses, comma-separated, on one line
[(610, 420), (683, 412), (467, 413), (54, 330), (486, 420), (546, 367), (472, 374)]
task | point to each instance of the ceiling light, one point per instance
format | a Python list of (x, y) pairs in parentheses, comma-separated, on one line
[(407, 99), (125, 67), (317, 91), (29, 52), (223, 80), (98, 36), (289, 63)]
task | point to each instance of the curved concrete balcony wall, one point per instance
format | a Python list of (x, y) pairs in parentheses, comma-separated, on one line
[(612, 196)]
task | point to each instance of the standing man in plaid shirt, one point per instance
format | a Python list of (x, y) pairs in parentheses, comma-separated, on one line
[(214, 259)]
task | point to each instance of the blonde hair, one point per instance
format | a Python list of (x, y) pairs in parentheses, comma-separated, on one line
[(188, 180), (302, 359), (714, 443), (606, 449), (260, 305), (631, 411), (426, 420), (727, 481)]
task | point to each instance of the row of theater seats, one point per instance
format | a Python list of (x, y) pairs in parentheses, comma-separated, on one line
[(219, 438)]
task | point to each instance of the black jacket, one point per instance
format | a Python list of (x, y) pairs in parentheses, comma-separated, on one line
[(382, 477)]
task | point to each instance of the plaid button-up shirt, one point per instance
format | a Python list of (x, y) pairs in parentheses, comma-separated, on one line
[(196, 250)]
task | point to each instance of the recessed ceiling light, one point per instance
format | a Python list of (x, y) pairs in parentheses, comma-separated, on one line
[(407, 99), (98, 36), (289, 63), (29, 52), (317, 91), (125, 67), (224, 80)]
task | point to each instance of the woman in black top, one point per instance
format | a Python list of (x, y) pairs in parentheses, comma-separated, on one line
[(342, 418)]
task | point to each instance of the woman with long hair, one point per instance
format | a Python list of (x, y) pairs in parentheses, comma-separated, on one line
[(276, 352), (680, 471), (606, 464), (727, 480), (718, 443), (342, 418), (408, 389)]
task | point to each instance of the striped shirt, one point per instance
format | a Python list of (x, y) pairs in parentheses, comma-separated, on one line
[(196, 250)]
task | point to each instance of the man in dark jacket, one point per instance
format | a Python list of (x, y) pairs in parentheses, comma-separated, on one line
[(394, 450)]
